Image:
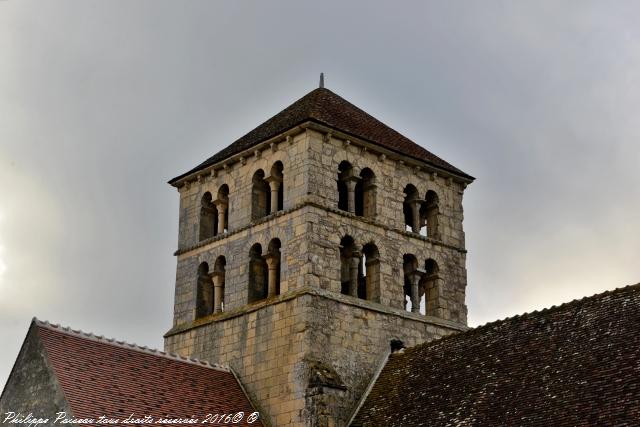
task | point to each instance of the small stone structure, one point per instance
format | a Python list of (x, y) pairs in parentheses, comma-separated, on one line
[(303, 253)]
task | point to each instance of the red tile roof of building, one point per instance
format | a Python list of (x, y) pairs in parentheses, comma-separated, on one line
[(324, 107), (577, 364), (105, 377)]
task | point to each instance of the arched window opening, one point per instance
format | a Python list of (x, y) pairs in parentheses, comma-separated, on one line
[(431, 213), (365, 194), (412, 277), (222, 208), (350, 265), (204, 292), (430, 289), (273, 260), (370, 288), (258, 279), (260, 196), (208, 217), (218, 284), (411, 209), (276, 187), (346, 187)]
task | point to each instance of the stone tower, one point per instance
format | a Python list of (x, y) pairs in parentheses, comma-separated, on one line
[(306, 246)]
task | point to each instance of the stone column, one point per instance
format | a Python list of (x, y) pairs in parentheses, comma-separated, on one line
[(218, 287), (415, 213), (221, 205), (351, 182), (414, 279), (355, 269), (274, 184), (273, 263)]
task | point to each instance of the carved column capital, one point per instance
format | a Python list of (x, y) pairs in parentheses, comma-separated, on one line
[(415, 276), (273, 179), (218, 278), (415, 202), (351, 182), (356, 257), (221, 204), (272, 260)]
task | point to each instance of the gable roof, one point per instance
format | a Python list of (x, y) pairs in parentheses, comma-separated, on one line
[(324, 107), (575, 364), (115, 379)]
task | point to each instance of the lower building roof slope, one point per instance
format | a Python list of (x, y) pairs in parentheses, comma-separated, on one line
[(101, 377), (577, 364)]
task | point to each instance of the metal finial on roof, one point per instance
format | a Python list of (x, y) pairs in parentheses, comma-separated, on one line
[(321, 80)]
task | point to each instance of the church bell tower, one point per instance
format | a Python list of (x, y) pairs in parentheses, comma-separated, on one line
[(309, 244)]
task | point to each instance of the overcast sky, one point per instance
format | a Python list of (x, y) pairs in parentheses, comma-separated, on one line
[(102, 102)]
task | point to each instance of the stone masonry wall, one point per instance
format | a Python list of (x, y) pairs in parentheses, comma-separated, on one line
[(238, 177), (310, 239), (262, 345), (277, 346), (387, 228), (358, 336), (391, 177), (326, 230), (289, 227), (32, 387), (310, 251), (243, 232), (307, 355)]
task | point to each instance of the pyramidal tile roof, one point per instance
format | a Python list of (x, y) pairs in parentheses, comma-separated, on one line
[(571, 365), (324, 107), (100, 376)]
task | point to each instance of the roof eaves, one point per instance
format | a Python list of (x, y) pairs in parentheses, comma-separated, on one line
[(122, 344), (175, 182), (302, 125), (381, 148)]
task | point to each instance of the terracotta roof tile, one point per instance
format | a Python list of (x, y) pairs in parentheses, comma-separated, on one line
[(577, 364), (325, 107), (105, 377)]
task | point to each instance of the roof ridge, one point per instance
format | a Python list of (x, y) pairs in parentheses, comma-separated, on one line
[(545, 310), (129, 346)]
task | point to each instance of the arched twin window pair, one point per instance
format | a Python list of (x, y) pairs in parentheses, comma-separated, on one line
[(356, 193), (214, 214), (421, 286), (267, 192), (421, 215), (359, 270), (210, 288), (267, 197), (264, 271)]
